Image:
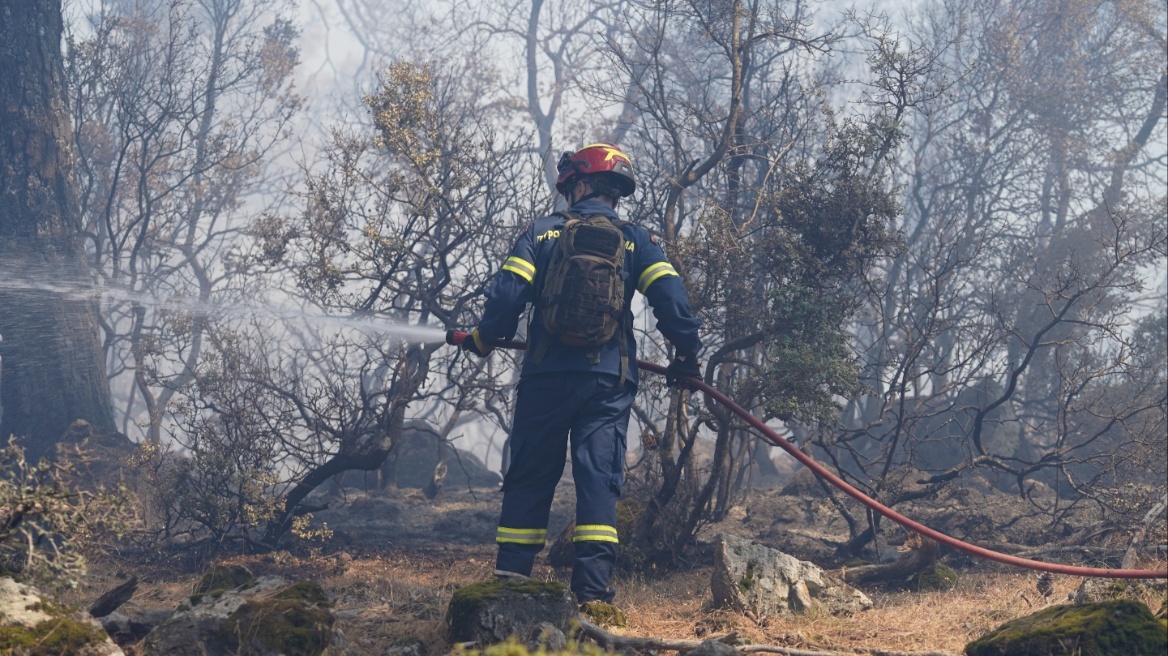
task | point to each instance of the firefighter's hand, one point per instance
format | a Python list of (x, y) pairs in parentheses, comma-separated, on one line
[(474, 344), (682, 366)]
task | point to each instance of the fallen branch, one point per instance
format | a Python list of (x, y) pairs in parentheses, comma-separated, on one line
[(922, 557), (112, 600), (1096, 552), (876, 651), (614, 642), (1023, 551), (1129, 558), (619, 642), (772, 649)]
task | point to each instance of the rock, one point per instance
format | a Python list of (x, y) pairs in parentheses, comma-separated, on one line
[(764, 581), (30, 624), (224, 577), (547, 638), (144, 620), (713, 648), (1094, 590), (492, 611), (342, 645), (406, 647), (415, 456), (133, 626), (803, 484), (117, 626), (1100, 629), (264, 617)]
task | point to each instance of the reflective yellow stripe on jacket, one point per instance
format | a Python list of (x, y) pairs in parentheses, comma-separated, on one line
[(521, 535), (653, 272), (594, 533), (521, 268)]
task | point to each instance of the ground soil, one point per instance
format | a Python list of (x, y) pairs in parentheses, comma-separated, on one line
[(395, 558)]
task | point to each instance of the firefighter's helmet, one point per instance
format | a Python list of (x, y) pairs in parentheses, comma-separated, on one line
[(596, 158)]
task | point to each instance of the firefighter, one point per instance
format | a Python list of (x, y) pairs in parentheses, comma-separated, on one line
[(578, 395)]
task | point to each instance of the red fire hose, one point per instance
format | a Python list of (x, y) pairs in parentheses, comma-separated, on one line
[(456, 338)]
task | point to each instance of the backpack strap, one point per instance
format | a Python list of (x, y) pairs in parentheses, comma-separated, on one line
[(622, 328), (541, 349)]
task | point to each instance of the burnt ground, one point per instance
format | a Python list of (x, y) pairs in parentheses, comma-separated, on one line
[(395, 557)]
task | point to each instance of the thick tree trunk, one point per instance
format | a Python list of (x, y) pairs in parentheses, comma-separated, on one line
[(52, 367)]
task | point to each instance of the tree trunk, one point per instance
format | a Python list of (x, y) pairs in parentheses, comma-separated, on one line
[(52, 370)]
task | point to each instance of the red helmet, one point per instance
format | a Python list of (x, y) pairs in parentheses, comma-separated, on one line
[(596, 158)]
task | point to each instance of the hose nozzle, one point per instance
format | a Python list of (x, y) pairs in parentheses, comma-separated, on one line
[(456, 337)]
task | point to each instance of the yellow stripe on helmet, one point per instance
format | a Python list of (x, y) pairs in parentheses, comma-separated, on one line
[(610, 152)]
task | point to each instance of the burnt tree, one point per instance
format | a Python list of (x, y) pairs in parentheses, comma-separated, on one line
[(52, 367)]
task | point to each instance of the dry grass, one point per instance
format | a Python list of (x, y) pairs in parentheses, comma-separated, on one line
[(679, 607), (410, 554), (403, 594)]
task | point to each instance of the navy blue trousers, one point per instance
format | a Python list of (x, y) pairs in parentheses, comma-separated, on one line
[(593, 411)]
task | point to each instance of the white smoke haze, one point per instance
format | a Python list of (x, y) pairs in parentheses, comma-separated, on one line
[(307, 195)]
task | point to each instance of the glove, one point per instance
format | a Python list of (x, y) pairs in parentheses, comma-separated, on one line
[(474, 344), (682, 366)]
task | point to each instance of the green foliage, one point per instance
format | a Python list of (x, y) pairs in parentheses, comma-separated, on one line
[(46, 518), (1102, 629), (746, 583), (224, 486), (829, 223)]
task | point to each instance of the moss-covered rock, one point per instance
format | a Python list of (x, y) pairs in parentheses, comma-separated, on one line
[(296, 620), (60, 636), (1101, 629), (32, 626), (604, 614), (224, 577), (517, 648), (493, 611), (265, 617), (937, 578)]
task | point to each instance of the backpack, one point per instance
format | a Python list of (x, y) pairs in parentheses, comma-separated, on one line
[(581, 297)]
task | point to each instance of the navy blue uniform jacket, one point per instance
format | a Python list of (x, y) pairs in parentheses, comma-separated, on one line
[(647, 270)]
